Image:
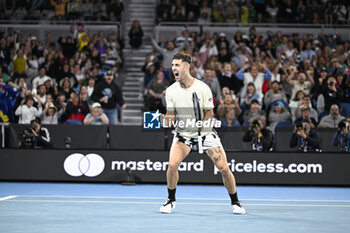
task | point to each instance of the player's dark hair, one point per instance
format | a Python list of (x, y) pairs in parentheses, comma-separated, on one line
[(184, 57)]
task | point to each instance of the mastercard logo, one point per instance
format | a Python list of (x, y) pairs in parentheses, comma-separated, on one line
[(90, 165)]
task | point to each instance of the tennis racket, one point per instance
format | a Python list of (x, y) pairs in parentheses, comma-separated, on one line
[(197, 113)]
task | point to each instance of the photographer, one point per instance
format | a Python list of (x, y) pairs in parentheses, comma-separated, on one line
[(261, 138), (306, 139), (341, 138), (36, 136)]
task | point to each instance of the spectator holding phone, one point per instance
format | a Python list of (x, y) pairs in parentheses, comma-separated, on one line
[(332, 93)]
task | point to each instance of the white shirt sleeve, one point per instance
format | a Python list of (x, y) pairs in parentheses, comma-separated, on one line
[(19, 110), (169, 101), (207, 98)]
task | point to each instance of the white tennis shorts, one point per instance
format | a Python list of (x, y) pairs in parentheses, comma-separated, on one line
[(210, 140)]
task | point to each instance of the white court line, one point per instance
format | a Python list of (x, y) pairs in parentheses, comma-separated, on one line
[(184, 203), (179, 198), (7, 198)]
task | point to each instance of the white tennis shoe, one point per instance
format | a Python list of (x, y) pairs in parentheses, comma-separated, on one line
[(167, 207), (237, 208)]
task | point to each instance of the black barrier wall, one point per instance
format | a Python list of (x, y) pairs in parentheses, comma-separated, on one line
[(81, 136), (150, 166), (136, 138)]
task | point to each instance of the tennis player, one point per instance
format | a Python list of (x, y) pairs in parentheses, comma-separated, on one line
[(180, 108)]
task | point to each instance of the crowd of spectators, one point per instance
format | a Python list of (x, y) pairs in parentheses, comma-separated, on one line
[(254, 11), (278, 79), (61, 81), (83, 10)]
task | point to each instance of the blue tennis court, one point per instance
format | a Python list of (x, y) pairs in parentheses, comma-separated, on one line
[(62, 207)]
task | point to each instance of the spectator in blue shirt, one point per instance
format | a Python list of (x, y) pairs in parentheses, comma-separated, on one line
[(308, 53)]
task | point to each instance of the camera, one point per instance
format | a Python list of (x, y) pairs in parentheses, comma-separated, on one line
[(299, 126), (26, 138), (255, 123), (331, 84)]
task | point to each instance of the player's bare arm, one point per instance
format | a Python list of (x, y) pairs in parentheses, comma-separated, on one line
[(208, 115), (168, 119)]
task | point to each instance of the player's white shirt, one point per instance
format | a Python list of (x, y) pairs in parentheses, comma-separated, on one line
[(179, 99)]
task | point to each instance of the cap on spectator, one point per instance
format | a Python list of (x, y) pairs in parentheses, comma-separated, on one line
[(222, 34), (70, 82), (245, 37), (33, 38), (329, 34), (280, 103), (51, 105), (48, 80), (149, 64), (180, 39), (317, 48), (305, 108), (334, 60), (254, 101), (96, 105), (323, 69), (108, 73), (333, 51)]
